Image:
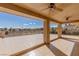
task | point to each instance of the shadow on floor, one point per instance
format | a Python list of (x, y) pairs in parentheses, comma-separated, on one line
[(71, 39), (56, 51), (30, 49), (27, 50), (75, 51), (54, 39)]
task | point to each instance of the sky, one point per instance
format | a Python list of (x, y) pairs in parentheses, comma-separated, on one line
[(13, 21)]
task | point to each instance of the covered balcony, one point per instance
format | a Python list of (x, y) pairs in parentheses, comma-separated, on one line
[(60, 43)]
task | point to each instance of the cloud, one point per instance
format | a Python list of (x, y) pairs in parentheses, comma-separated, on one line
[(32, 23), (25, 24)]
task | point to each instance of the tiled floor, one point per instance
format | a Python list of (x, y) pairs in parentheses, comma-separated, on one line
[(12, 45), (59, 45), (42, 51), (64, 46)]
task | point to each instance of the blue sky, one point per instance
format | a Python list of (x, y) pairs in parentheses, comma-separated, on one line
[(9, 20)]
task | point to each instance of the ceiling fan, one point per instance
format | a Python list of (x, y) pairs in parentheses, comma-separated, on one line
[(67, 19), (51, 8)]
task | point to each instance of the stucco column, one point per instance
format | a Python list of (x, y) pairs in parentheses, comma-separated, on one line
[(46, 32)]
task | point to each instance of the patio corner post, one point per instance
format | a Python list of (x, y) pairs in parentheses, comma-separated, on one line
[(46, 32), (59, 30)]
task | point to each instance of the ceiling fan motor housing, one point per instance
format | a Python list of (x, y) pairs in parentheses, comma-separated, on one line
[(52, 5)]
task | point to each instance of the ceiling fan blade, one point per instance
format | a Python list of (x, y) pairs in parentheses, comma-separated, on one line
[(49, 14), (59, 9), (45, 9)]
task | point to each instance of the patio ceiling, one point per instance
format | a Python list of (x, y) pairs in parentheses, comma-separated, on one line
[(37, 10)]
